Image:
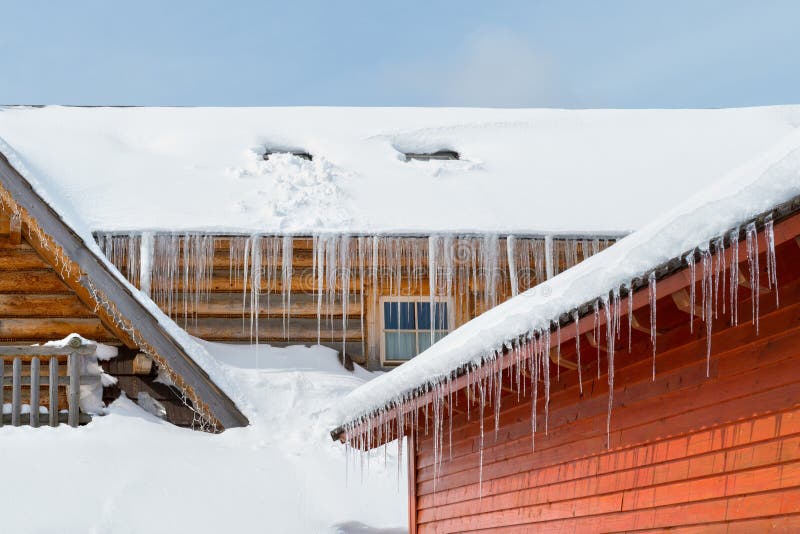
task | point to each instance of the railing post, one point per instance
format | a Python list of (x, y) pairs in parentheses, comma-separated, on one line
[(16, 391), (73, 391), (34, 392), (53, 383)]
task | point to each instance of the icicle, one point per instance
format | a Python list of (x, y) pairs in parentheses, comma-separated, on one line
[(450, 413), (498, 390), (548, 256), (255, 286), (734, 277), (482, 392), (490, 258), (319, 263), (772, 262), (651, 282), (433, 242), (534, 386), (576, 319), (512, 265), (596, 333), (630, 315), (145, 262), (690, 262), (610, 327), (707, 303), (723, 262), (546, 370), (344, 266), (751, 235), (286, 283), (558, 351), (361, 274)]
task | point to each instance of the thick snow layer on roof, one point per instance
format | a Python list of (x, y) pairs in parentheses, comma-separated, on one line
[(522, 171), (756, 187), (130, 472)]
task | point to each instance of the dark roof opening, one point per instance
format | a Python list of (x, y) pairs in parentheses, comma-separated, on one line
[(427, 156), (296, 153)]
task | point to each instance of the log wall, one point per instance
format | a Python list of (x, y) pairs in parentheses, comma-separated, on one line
[(686, 452)]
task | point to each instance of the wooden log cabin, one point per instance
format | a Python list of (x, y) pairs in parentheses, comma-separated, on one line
[(701, 433)]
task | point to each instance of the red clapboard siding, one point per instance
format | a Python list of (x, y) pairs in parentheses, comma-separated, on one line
[(687, 452)]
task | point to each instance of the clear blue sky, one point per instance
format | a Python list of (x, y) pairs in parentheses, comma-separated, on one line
[(676, 53)]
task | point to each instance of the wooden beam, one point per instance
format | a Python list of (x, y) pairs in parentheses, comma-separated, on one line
[(120, 309), (744, 281), (566, 364), (682, 299)]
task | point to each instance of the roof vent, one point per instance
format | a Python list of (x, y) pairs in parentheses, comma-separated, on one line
[(297, 153), (427, 156)]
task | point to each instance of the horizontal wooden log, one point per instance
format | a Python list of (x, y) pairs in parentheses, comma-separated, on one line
[(32, 281), (222, 328), (133, 385), (45, 329), (270, 305), (42, 305), (21, 258)]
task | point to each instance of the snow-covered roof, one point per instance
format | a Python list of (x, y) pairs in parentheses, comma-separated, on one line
[(521, 171), (757, 187)]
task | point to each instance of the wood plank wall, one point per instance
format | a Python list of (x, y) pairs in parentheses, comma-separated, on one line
[(687, 452), (218, 316)]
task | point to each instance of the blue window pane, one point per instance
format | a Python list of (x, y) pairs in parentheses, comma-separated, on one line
[(390, 315), (424, 315), (424, 340), (400, 345), (407, 316), (440, 321)]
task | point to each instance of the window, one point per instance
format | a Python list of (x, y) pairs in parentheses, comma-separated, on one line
[(297, 153), (427, 156), (407, 326)]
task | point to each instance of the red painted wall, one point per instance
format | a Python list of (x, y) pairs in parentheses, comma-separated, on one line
[(703, 454)]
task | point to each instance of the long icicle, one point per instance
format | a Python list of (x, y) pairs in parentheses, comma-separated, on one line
[(651, 283), (772, 262), (751, 235), (576, 319)]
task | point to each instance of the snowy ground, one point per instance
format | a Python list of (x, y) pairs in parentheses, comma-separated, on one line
[(129, 472)]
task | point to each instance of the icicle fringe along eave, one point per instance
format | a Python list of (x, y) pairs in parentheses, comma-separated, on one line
[(555, 236), (416, 397)]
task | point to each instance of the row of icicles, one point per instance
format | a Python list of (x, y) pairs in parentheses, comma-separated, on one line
[(476, 272), (524, 363)]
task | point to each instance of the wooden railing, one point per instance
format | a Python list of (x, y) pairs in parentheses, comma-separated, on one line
[(26, 374)]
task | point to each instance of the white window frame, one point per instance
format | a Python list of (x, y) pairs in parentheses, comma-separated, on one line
[(411, 298)]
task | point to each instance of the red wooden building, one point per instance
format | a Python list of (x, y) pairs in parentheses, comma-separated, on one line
[(694, 438)]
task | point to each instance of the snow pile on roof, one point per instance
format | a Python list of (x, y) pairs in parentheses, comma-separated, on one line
[(755, 188), (521, 171), (130, 472)]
